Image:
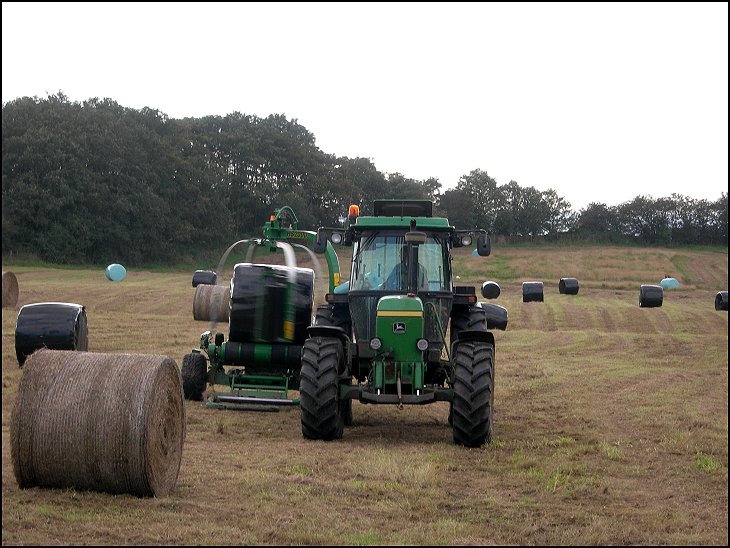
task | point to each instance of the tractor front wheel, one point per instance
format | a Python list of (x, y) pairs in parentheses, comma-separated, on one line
[(323, 415), (194, 369), (473, 404)]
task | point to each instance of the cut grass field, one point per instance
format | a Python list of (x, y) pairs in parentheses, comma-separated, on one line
[(611, 424)]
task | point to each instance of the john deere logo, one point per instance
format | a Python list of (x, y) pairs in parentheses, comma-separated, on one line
[(399, 327)]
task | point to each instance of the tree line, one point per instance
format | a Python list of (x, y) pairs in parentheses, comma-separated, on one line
[(95, 182)]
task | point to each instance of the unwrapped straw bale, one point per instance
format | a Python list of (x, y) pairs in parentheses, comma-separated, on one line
[(101, 422)]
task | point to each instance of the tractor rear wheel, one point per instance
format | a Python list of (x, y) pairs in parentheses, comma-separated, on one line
[(331, 316), (194, 371), (473, 318), (323, 415), (473, 404)]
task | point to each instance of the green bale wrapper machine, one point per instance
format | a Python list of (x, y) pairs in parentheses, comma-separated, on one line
[(270, 308), (380, 338)]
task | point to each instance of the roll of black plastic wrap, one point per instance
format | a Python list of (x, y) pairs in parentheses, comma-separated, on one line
[(59, 326), (568, 286), (532, 291), (496, 315), (258, 303), (651, 296), (204, 277)]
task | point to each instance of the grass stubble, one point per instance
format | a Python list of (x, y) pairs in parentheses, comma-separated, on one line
[(610, 424)]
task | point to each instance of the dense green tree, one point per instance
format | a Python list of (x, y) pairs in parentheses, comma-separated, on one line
[(99, 182)]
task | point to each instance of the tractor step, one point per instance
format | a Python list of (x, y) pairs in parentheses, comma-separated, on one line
[(242, 407), (228, 398), (249, 403)]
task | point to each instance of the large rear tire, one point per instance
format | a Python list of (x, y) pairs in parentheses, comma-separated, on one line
[(473, 318), (194, 371), (473, 404), (328, 315), (323, 415)]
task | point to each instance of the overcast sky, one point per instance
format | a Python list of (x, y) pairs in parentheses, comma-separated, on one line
[(601, 102)]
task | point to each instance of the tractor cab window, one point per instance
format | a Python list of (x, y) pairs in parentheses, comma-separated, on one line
[(379, 264)]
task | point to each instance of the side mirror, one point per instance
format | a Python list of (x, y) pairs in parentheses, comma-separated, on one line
[(484, 245), (416, 237), (320, 242), (490, 290)]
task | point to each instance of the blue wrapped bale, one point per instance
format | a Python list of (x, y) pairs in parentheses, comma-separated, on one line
[(669, 283), (115, 272)]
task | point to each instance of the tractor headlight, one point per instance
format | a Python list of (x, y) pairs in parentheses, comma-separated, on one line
[(422, 344), (336, 238), (466, 240), (376, 343)]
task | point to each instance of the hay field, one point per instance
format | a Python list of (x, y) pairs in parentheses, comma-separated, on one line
[(611, 424)]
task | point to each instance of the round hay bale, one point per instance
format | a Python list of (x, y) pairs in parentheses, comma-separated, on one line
[(651, 296), (721, 300), (10, 290), (60, 326), (532, 291), (491, 290), (568, 286), (115, 272), (496, 315), (669, 283), (211, 303), (101, 422), (204, 277)]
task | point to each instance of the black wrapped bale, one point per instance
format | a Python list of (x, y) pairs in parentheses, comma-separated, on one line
[(568, 286), (10, 290), (59, 326), (721, 300), (532, 292), (491, 290), (258, 302), (103, 422), (496, 315), (211, 303), (204, 277), (651, 296)]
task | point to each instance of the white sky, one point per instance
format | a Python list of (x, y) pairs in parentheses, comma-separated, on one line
[(601, 102)]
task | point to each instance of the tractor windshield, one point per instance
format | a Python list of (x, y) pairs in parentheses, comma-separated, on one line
[(379, 263)]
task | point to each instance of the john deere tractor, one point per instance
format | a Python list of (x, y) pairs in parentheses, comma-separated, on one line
[(381, 337), (387, 326)]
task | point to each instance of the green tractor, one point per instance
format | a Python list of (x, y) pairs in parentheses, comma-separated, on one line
[(381, 336), (387, 326)]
